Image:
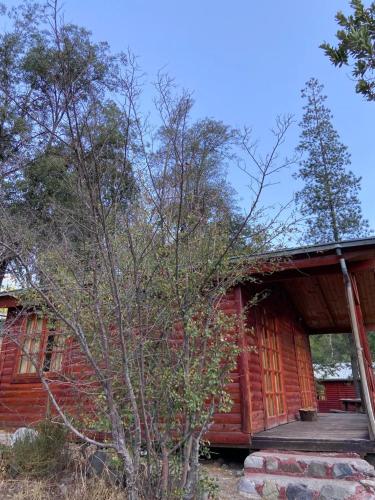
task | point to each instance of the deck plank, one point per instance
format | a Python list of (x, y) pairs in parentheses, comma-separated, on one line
[(331, 432)]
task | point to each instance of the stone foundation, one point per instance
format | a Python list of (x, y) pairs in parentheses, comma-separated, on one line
[(307, 476)]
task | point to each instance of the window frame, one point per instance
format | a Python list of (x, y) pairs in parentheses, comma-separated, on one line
[(56, 348), (45, 334), (3, 321)]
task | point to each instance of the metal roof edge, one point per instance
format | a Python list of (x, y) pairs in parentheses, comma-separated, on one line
[(323, 247)]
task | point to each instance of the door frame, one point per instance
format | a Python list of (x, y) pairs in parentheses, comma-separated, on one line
[(275, 420)]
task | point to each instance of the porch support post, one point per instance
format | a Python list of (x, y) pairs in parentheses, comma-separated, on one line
[(243, 365), (358, 345)]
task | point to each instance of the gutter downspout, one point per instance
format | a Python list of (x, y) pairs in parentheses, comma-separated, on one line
[(359, 350)]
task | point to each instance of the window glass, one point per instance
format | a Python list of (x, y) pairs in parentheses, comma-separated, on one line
[(31, 357), (3, 317), (30, 350), (54, 352)]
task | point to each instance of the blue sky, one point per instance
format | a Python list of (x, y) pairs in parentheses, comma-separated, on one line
[(246, 62)]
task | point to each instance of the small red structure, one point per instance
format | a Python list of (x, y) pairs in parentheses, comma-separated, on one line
[(335, 386), (320, 289)]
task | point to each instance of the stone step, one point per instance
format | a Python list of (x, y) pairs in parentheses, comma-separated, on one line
[(260, 485), (349, 467)]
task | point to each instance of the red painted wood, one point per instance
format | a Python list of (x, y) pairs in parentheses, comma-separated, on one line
[(334, 391), (272, 368), (364, 343), (228, 438), (23, 400), (8, 301), (243, 365)]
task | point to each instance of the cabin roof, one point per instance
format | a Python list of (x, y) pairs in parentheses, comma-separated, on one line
[(9, 298), (312, 279), (319, 248)]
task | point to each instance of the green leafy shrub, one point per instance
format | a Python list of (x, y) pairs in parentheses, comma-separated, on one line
[(42, 455)]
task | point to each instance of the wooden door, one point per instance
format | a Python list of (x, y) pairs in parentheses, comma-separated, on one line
[(306, 381), (273, 387)]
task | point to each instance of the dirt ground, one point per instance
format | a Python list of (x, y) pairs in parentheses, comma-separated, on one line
[(226, 467)]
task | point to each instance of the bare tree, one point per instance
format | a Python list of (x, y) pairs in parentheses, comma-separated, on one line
[(134, 270)]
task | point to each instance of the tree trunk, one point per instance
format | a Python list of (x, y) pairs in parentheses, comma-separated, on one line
[(193, 474), (3, 268)]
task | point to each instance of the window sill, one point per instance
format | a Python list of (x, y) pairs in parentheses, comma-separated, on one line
[(32, 378), (24, 378)]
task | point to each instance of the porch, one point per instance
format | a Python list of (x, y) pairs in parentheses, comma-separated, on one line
[(331, 432)]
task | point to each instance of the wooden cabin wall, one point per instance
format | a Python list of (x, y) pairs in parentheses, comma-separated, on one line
[(287, 331), (23, 399), (20, 403), (334, 390), (290, 332), (23, 402), (230, 428), (227, 429)]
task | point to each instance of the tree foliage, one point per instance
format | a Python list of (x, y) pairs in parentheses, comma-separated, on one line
[(331, 349), (356, 43), (329, 198), (45, 73), (123, 233)]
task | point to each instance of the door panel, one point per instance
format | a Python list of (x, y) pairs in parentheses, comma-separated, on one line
[(273, 387), (306, 382)]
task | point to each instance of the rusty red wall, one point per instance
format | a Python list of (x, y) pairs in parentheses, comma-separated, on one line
[(24, 402), (20, 403), (290, 371), (334, 391), (288, 325), (227, 427), (23, 399)]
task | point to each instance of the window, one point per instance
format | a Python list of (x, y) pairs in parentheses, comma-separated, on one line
[(321, 392), (43, 346), (3, 317), (30, 350), (54, 350)]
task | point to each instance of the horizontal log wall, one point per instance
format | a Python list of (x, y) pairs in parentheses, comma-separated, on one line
[(287, 325), (23, 398), (334, 391), (24, 402), (227, 428)]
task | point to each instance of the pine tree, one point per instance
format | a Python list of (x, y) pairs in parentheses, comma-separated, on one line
[(329, 199)]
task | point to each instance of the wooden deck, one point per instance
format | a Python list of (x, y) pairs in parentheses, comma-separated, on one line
[(336, 432)]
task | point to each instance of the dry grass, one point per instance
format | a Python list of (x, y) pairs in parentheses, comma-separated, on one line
[(95, 489), (72, 482), (82, 489)]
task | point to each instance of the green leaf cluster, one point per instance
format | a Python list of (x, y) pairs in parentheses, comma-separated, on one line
[(356, 46)]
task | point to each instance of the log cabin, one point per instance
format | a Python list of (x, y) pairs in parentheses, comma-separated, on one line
[(313, 290), (334, 387)]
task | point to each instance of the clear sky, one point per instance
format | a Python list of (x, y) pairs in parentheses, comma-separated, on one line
[(246, 62)]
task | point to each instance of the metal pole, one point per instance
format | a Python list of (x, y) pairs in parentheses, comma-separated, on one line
[(357, 340)]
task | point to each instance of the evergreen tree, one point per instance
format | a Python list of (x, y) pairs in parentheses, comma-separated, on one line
[(330, 197), (46, 79)]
